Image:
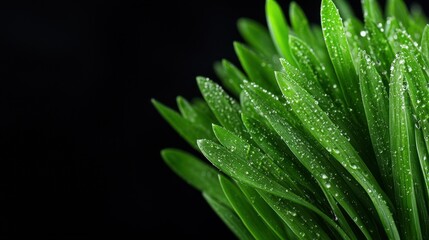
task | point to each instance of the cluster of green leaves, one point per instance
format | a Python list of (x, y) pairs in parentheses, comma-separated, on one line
[(323, 134)]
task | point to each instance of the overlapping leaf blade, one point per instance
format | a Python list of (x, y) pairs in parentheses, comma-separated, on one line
[(318, 138), (278, 28), (310, 157), (372, 11), (244, 209), (189, 131), (376, 104), (259, 70), (266, 212), (318, 124), (230, 218), (195, 172), (257, 36), (425, 43), (403, 153), (225, 108), (255, 176), (380, 48), (339, 51)]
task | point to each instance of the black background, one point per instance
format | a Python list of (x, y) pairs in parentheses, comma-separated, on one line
[(79, 138)]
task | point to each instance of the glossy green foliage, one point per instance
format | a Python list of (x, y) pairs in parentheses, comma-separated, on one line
[(322, 133)]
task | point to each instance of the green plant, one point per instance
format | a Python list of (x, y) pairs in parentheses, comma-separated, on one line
[(326, 135)]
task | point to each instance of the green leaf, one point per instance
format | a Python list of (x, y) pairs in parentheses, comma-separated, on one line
[(339, 51), (283, 108), (244, 209), (354, 30), (390, 29), (189, 131), (376, 104), (254, 176), (257, 36), (403, 153), (195, 172), (372, 11), (380, 48), (259, 70), (272, 144), (425, 43), (398, 9), (404, 42), (344, 9), (248, 109), (310, 83), (312, 159), (233, 77), (423, 160), (278, 28), (201, 107), (252, 154), (230, 218), (318, 124), (266, 212), (300, 25), (314, 70), (194, 115), (302, 222), (226, 109), (417, 80), (335, 113), (421, 170)]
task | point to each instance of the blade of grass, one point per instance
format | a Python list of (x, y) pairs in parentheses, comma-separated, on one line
[(314, 69), (201, 107), (416, 77), (312, 160), (398, 9), (318, 124), (300, 25), (255, 157), (225, 108), (356, 38), (376, 104), (344, 9), (254, 176), (350, 130), (302, 222), (259, 70), (278, 28), (272, 144), (422, 189), (339, 52), (425, 43), (257, 36), (417, 80), (188, 130), (380, 49), (423, 159), (230, 218), (266, 212), (193, 115), (372, 11), (195, 172), (244, 209), (403, 153)]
